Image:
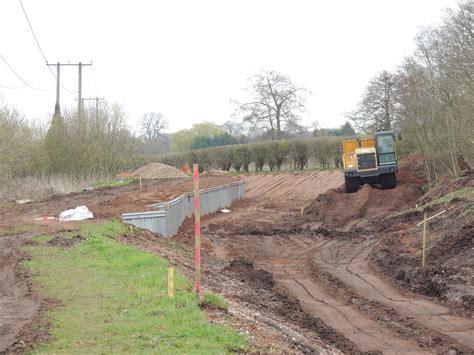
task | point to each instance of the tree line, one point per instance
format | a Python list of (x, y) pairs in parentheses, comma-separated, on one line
[(430, 97), (71, 145), (294, 153)]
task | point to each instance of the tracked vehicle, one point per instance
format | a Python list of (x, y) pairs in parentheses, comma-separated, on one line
[(371, 160)]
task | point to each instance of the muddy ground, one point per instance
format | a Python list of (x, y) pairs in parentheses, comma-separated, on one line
[(306, 267)]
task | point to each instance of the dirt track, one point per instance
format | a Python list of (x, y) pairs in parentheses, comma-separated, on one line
[(304, 283), (322, 260), (18, 304)]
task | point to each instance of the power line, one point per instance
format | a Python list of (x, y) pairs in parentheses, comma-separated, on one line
[(39, 47), (19, 77), (33, 32)]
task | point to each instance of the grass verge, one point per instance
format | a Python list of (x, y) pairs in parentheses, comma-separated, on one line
[(462, 194), (114, 300), (214, 301)]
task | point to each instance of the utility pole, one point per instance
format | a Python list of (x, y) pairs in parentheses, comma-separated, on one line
[(96, 99), (57, 109), (79, 93), (58, 65)]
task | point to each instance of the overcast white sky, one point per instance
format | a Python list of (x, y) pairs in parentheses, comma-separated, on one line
[(188, 59)]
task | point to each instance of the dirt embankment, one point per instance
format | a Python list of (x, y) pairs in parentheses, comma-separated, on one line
[(337, 209), (304, 186), (449, 272), (323, 261)]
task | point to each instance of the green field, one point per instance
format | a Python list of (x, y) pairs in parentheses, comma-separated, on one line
[(113, 299)]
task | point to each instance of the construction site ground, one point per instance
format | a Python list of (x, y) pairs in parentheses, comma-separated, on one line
[(305, 267)]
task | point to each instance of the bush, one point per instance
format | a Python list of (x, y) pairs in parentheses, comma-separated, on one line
[(242, 157), (327, 150), (299, 153), (259, 155), (277, 154)]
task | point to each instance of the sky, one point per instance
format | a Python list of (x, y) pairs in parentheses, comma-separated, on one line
[(189, 59)]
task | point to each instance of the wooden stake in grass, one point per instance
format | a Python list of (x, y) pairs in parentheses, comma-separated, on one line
[(197, 227), (170, 281), (423, 252), (140, 183)]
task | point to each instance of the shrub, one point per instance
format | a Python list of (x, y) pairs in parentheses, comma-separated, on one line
[(299, 153), (259, 155), (242, 157), (277, 154)]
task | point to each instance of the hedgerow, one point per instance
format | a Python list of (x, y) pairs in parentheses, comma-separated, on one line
[(325, 151)]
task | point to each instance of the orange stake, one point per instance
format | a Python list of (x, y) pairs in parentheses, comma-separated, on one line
[(197, 228)]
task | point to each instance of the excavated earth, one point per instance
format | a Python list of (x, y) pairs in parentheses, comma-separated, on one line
[(306, 267), (342, 260)]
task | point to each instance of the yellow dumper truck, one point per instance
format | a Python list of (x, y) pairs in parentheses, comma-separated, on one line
[(371, 160)]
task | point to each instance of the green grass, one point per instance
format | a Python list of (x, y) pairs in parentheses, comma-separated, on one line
[(16, 229), (215, 301), (463, 194), (42, 239), (113, 183), (113, 299)]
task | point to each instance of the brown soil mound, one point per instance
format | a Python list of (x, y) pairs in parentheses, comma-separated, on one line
[(336, 208), (158, 171), (450, 248), (245, 268)]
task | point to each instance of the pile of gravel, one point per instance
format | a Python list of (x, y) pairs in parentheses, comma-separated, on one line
[(158, 171)]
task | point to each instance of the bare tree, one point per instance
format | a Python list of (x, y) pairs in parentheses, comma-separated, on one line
[(377, 109), (153, 125), (277, 103)]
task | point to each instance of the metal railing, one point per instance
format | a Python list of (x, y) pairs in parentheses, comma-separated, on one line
[(170, 215)]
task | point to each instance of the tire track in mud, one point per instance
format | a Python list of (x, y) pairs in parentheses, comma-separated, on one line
[(356, 273), (268, 236), (365, 333), (18, 304)]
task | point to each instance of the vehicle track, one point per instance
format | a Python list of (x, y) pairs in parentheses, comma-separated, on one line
[(357, 274), (322, 260), (288, 257), (18, 304), (290, 272)]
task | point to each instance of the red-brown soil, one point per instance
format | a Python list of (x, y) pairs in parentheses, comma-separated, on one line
[(323, 261), (19, 304), (309, 269)]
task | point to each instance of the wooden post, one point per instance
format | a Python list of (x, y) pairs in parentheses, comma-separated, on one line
[(302, 211), (423, 252), (140, 183), (197, 227), (170, 281)]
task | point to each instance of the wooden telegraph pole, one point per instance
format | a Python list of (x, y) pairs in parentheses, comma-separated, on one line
[(79, 89), (96, 99)]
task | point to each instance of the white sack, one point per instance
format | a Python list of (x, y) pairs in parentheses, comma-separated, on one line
[(76, 214)]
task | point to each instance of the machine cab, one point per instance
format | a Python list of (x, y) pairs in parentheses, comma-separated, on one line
[(385, 146)]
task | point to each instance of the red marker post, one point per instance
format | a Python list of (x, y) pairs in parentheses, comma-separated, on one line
[(197, 228)]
